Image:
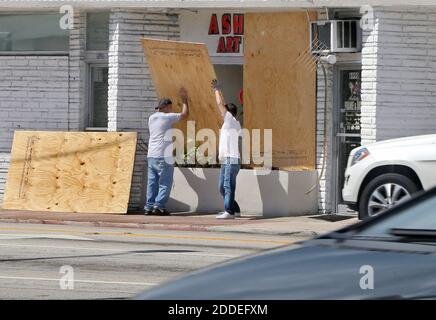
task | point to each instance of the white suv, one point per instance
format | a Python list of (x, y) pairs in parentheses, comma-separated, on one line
[(385, 173)]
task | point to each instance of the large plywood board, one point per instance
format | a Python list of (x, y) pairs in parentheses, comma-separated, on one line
[(70, 171), (176, 64), (280, 85)]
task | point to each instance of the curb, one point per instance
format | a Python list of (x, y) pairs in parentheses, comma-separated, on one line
[(174, 227), (295, 234), (109, 224)]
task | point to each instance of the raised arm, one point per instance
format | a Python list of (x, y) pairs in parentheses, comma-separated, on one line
[(219, 97), (185, 109)]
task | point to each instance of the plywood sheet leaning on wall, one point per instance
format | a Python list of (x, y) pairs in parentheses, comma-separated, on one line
[(70, 171), (176, 64), (280, 86)]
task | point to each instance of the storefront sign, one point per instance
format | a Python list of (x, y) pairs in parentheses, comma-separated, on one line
[(230, 24), (222, 31)]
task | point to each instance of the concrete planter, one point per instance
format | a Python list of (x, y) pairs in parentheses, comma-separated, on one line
[(280, 193)]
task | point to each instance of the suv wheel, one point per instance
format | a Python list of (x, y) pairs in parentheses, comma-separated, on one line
[(384, 192)]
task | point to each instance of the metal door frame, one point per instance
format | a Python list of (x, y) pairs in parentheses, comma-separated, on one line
[(357, 66)]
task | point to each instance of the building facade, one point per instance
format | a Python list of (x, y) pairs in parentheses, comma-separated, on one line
[(95, 77)]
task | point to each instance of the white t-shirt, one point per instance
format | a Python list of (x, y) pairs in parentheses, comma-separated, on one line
[(158, 124), (229, 137)]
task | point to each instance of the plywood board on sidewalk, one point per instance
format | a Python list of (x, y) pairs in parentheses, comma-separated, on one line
[(280, 85), (176, 64), (70, 171)]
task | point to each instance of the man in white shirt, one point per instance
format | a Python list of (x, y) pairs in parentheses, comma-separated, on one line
[(228, 154), (160, 154)]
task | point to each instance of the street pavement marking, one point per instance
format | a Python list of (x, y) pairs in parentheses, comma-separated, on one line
[(120, 250), (10, 236), (82, 281), (150, 236)]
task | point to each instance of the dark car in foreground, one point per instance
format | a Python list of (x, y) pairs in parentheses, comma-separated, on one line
[(390, 256)]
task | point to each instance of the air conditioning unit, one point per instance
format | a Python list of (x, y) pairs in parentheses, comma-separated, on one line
[(330, 36)]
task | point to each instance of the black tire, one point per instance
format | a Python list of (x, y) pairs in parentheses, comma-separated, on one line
[(375, 183)]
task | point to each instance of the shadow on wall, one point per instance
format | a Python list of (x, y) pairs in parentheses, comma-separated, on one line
[(280, 193), (286, 193), (174, 205), (202, 190), (272, 193)]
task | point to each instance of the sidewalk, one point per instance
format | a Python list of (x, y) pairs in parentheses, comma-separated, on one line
[(305, 226)]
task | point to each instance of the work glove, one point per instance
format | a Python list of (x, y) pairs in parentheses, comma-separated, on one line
[(216, 85)]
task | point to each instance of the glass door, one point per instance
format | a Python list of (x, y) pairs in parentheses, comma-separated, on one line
[(348, 126)]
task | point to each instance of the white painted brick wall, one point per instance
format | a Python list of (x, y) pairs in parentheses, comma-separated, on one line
[(404, 93), (131, 97), (77, 73), (41, 93), (4, 164), (33, 94), (324, 190), (369, 85)]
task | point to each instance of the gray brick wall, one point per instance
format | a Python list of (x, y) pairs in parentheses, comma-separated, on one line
[(131, 96)]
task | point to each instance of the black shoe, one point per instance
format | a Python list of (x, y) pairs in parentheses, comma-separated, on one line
[(148, 212), (160, 212), (236, 208)]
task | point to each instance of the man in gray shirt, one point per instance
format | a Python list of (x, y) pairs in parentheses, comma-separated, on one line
[(160, 154)]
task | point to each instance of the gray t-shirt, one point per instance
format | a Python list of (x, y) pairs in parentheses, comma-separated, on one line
[(158, 124)]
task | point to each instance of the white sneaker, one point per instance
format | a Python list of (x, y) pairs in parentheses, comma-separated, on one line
[(237, 214), (225, 215)]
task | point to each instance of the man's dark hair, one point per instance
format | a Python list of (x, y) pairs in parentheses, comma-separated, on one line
[(232, 109), (163, 103)]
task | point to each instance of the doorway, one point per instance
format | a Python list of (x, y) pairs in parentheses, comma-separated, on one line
[(231, 78), (347, 126)]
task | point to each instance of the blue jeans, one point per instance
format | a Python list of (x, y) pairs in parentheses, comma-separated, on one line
[(159, 182), (227, 184)]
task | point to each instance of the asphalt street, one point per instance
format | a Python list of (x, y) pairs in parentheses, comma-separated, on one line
[(74, 262)]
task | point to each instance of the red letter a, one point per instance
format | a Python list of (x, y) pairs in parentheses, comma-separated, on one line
[(213, 26)]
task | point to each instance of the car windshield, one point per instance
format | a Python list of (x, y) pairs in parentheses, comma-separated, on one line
[(421, 215)]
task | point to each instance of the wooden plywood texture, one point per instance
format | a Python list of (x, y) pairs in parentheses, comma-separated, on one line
[(176, 64), (70, 171), (280, 85)]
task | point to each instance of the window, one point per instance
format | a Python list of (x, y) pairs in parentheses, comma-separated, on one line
[(347, 34), (98, 95), (97, 31), (32, 32)]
